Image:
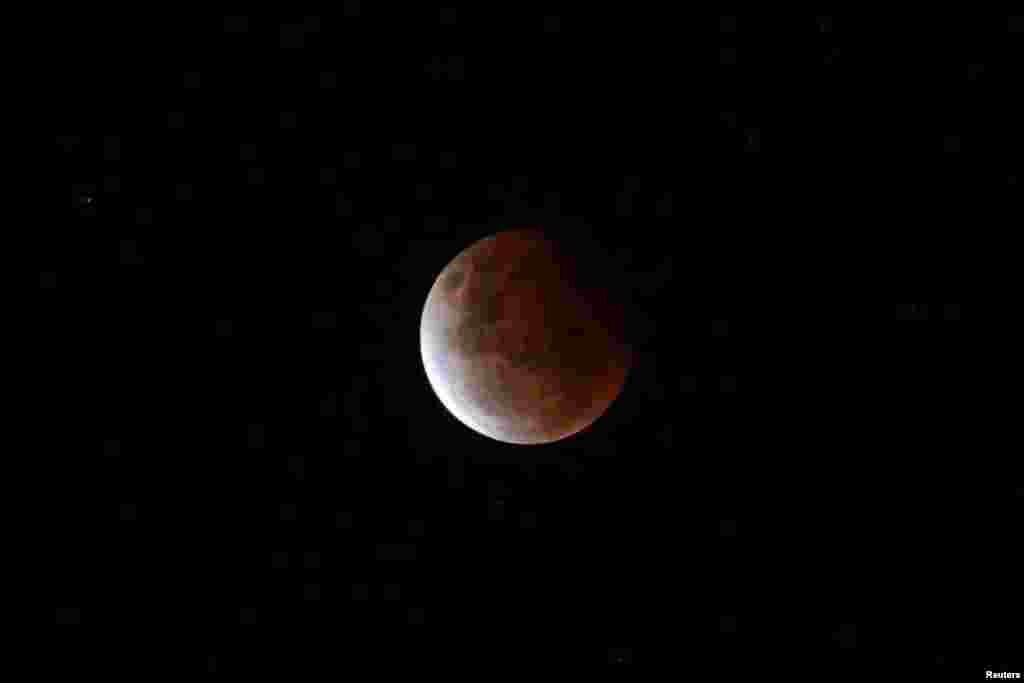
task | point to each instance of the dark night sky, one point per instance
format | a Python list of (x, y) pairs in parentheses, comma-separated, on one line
[(253, 210)]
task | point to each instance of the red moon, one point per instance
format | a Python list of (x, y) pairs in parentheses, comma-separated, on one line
[(522, 341)]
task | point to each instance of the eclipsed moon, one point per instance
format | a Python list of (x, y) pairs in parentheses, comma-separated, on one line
[(522, 340)]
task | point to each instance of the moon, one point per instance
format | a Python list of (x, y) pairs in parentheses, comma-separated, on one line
[(522, 340)]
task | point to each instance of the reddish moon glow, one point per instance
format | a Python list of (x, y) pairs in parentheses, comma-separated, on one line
[(521, 342)]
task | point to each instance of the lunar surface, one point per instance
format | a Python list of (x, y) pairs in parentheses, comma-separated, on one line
[(521, 339)]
